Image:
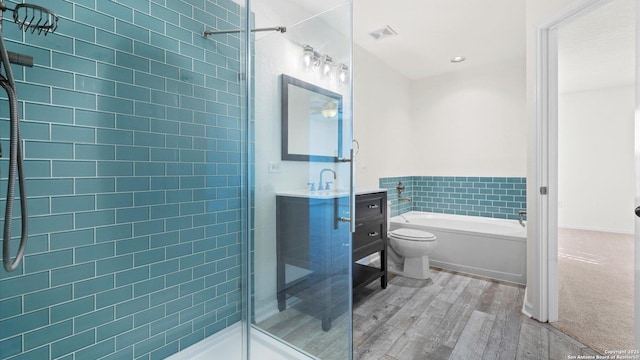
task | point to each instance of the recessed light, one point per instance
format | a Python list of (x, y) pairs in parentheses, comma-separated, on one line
[(458, 59)]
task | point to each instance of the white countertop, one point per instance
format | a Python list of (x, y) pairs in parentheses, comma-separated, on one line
[(324, 194)]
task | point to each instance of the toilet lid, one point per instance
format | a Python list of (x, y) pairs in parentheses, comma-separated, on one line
[(412, 234)]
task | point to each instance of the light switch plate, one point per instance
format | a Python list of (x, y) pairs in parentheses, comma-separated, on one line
[(274, 167)]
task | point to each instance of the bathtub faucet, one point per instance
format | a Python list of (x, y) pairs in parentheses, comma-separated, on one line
[(521, 215), (404, 199)]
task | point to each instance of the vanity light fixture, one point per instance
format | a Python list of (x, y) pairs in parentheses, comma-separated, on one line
[(458, 59), (324, 65)]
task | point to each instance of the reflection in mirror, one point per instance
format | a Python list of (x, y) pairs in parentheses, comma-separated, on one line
[(311, 122)]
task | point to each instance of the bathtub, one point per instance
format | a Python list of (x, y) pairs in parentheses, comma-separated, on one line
[(492, 248)]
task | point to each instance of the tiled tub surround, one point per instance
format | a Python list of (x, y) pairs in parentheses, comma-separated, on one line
[(391, 183), (494, 197), (131, 124)]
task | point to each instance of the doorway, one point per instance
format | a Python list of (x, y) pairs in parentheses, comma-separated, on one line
[(586, 126), (596, 76)]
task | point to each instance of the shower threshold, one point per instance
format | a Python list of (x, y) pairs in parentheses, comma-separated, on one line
[(227, 344)]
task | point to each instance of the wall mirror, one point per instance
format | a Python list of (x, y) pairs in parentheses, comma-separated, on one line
[(311, 122)]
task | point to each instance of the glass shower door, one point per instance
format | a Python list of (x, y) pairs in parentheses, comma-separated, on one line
[(301, 252)]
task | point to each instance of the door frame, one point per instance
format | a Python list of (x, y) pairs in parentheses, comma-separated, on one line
[(545, 233), (636, 285)]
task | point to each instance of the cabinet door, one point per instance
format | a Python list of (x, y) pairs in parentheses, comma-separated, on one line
[(320, 235)]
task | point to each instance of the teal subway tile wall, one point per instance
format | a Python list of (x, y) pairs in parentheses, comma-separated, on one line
[(391, 184), (494, 197), (132, 139)]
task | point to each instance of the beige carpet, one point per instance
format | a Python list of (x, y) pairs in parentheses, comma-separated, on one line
[(595, 281)]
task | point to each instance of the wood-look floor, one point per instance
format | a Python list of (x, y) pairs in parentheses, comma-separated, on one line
[(451, 316)]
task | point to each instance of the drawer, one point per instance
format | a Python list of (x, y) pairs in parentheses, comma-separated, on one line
[(368, 233), (371, 205)]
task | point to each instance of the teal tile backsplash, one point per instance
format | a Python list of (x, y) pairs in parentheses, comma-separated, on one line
[(494, 197), (132, 131)]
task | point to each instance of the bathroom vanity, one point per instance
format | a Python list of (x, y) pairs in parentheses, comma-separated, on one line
[(370, 237), (312, 254), (311, 249)]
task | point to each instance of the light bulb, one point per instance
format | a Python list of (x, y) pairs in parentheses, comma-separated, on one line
[(308, 56), (342, 74), (329, 109), (326, 67)]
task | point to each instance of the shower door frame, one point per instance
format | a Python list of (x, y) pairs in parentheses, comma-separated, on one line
[(544, 234), (246, 183)]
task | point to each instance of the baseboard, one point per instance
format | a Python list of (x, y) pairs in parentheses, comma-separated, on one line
[(267, 309), (584, 228), (527, 309), (520, 279)]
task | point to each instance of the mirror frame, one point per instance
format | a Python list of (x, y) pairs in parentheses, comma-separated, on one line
[(286, 155)]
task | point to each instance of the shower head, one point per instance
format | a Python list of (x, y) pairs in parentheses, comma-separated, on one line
[(35, 18)]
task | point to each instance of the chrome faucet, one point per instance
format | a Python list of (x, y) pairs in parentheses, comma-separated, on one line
[(400, 189), (521, 216), (328, 183)]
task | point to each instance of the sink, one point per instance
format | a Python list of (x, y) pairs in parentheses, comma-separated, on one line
[(315, 194)]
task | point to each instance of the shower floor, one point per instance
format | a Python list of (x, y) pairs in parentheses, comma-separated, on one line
[(227, 344)]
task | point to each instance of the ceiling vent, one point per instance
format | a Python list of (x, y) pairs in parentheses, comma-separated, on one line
[(383, 33)]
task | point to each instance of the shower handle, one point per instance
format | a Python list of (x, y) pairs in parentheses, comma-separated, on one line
[(352, 195), (638, 211)]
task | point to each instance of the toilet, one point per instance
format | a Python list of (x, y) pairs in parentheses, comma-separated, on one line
[(408, 250)]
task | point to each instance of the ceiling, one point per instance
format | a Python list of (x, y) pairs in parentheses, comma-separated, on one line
[(596, 50), (431, 32)]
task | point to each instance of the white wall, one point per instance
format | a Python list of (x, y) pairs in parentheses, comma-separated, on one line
[(471, 123), (382, 121), (596, 160), (400, 123)]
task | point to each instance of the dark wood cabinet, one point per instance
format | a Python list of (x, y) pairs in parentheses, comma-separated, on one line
[(312, 255), (312, 251), (370, 237)]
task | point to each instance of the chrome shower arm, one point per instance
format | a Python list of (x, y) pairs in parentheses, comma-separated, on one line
[(281, 29)]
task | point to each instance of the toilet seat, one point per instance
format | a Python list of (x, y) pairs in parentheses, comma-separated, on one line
[(412, 234)]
